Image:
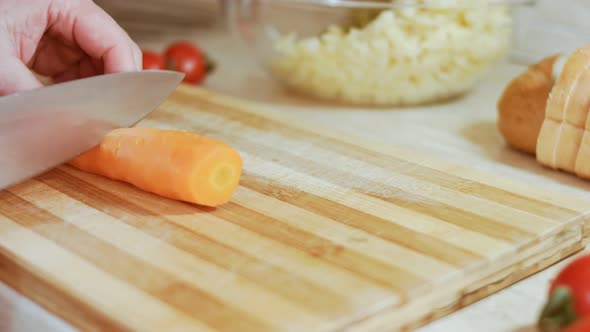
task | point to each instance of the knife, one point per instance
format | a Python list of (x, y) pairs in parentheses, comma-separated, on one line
[(44, 128)]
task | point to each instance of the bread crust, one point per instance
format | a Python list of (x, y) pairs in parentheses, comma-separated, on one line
[(521, 107)]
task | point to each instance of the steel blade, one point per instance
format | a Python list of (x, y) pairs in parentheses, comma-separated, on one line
[(43, 128)]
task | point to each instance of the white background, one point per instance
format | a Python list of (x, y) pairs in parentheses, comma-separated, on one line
[(551, 26)]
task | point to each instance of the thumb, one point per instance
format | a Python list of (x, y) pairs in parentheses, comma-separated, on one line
[(15, 76)]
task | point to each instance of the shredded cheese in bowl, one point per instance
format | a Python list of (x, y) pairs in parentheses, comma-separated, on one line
[(403, 56)]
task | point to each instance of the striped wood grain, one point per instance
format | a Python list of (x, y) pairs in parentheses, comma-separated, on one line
[(326, 232)]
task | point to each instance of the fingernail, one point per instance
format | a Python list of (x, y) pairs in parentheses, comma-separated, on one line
[(138, 58)]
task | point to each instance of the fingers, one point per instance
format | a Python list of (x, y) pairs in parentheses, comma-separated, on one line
[(97, 34), (112, 44), (87, 41), (85, 68), (54, 57), (16, 76)]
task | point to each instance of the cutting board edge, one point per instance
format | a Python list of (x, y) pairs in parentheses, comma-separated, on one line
[(539, 261), (462, 171)]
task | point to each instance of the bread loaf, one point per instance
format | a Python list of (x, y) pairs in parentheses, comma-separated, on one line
[(545, 112)]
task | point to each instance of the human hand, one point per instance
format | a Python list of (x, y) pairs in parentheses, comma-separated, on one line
[(61, 39)]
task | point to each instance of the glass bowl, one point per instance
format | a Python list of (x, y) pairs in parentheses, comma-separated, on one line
[(381, 53)]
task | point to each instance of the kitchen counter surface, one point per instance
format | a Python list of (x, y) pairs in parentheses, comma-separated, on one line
[(463, 129)]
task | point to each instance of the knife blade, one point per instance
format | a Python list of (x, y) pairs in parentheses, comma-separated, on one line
[(44, 128)]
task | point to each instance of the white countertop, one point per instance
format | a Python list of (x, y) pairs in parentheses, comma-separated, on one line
[(464, 129)]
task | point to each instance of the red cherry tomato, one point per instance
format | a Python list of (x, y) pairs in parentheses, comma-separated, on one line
[(569, 296), (153, 60), (576, 277), (188, 59), (582, 325)]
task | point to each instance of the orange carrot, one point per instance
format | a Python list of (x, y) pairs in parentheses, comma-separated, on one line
[(176, 164)]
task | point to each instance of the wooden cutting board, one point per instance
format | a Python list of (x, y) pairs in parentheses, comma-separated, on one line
[(327, 232)]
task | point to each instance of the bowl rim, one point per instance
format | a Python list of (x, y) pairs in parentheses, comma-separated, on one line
[(401, 3)]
